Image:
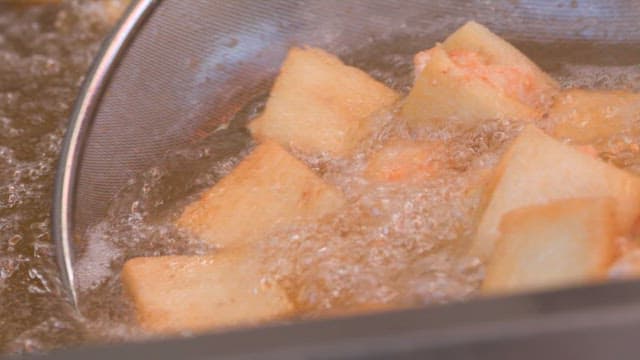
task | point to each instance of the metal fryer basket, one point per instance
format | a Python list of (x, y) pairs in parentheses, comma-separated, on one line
[(176, 69)]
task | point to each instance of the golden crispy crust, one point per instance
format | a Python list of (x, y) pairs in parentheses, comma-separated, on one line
[(445, 94), (476, 37), (538, 169), (320, 105), (586, 116), (268, 189), (196, 293), (561, 243)]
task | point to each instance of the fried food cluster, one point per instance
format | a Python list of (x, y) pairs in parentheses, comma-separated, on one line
[(554, 214)]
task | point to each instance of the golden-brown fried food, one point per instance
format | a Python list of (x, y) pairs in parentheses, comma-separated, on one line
[(268, 189), (320, 105), (566, 242), (474, 76), (404, 160), (197, 293), (538, 169), (585, 116)]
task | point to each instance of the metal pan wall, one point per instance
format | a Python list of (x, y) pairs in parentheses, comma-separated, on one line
[(193, 62)]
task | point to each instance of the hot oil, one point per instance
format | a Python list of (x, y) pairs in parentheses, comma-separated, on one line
[(44, 53), (140, 224), (393, 245)]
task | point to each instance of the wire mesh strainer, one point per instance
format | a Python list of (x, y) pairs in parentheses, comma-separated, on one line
[(175, 70)]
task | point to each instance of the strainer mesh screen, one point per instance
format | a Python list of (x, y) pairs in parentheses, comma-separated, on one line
[(196, 62)]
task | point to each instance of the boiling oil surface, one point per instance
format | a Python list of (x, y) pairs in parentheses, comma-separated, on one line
[(44, 53), (393, 244)]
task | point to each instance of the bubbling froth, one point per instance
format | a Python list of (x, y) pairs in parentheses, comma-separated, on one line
[(392, 245)]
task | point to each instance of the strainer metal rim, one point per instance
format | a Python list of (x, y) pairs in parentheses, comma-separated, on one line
[(482, 324), (80, 121)]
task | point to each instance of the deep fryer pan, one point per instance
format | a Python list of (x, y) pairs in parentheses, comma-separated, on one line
[(174, 70)]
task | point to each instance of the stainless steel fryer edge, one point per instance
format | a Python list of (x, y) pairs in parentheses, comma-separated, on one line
[(79, 123), (527, 326), (596, 322), (83, 118)]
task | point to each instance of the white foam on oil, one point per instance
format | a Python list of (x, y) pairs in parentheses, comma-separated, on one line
[(94, 267), (393, 244)]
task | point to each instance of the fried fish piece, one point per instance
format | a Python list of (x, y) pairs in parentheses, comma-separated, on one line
[(198, 293), (472, 77), (565, 242), (320, 105), (402, 160), (270, 188), (538, 169), (585, 116)]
